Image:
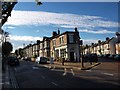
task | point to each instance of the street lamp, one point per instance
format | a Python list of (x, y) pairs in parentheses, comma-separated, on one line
[(81, 51)]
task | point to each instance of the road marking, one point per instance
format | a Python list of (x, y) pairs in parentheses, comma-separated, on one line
[(7, 83), (35, 67), (43, 77), (88, 70), (65, 72), (72, 72), (53, 68), (108, 74), (50, 67), (54, 84), (15, 69), (1, 83), (46, 66), (57, 70)]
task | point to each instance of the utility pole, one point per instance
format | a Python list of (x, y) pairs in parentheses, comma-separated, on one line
[(81, 51)]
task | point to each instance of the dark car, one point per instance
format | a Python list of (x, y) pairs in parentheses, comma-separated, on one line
[(27, 59), (12, 61), (90, 58), (86, 57), (117, 57), (112, 56), (93, 57)]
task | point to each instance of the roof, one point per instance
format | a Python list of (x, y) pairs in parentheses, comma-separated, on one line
[(118, 33), (62, 34), (106, 42)]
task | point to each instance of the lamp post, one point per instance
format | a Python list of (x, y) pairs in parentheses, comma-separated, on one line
[(81, 51)]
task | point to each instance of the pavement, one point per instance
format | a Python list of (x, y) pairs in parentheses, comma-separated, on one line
[(8, 79), (73, 65)]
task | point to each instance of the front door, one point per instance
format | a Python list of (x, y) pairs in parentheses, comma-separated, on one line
[(71, 56)]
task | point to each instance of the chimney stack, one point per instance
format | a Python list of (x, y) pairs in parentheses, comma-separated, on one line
[(76, 29), (58, 31), (54, 33), (118, 36), (107, 38)]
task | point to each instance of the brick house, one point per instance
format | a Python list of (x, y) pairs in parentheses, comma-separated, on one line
[(45, 47), (109, 46), (117, 45), (65, 45), (28, 50), (36, 48)]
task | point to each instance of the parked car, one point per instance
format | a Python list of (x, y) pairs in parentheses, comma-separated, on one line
[(90, 58), (93, 57), (111, 56), (12, 61), (41, 60), (117, 57), (107, 55), (86, 57), (27, 59), (100, 56)]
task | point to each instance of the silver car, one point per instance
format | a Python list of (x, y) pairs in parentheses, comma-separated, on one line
[(41, 60)]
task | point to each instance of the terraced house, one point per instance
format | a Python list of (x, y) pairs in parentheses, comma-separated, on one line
[(118, 43), (45, 47), (60, 45), (109, 46), (65, 45)]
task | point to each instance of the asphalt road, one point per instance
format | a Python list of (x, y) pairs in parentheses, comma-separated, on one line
[(32, 75)]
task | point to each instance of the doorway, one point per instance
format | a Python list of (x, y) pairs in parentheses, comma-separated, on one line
[(71, 56)]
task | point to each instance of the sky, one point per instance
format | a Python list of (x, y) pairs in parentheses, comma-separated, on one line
[(30, 22)]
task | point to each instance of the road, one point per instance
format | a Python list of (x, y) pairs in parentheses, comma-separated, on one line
[(32, 75)]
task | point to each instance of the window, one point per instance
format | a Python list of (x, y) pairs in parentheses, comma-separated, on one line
[(47, 44), (63, 53), (57, 53), (61, 40), (54, 42), (71, 38)]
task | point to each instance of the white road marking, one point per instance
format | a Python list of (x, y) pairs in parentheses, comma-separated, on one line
[(108, 74), (15, 69), (54, 84), (7, 83), (65, 72), (50, 67), (72, 72), (43, 77), (88, 70), (35, 67), (57, 70), (46, 66), (1, 83), (53, 68)]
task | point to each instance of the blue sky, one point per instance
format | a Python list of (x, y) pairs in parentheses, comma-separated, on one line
[(30, 22)]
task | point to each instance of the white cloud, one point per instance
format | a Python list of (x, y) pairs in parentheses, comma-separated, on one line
[(24, 38), (96, 32), (89, 41), (37, 31), (63, 19), (10, 27)]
